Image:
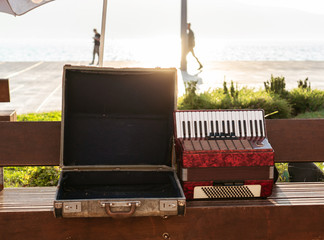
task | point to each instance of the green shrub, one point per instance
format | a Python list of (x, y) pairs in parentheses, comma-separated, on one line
[(50, 116), (317, 114), (235, 99), (31, 176), (276, 85), (304, 100), (283, 175), (268, 102), (191, 100), (304, 84)]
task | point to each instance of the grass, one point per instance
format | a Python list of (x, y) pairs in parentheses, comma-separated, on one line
[(49, 116), (317, 114)]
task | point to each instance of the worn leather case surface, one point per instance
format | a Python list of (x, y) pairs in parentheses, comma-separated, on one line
[(117, 144)]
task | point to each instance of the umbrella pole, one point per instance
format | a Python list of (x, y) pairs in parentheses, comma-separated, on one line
[(103, 30), (184, 38)]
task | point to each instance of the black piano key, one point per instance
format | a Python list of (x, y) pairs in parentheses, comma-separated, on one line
[(189, 130), (212, 133), (251, 127), (228, 128), (244, 128), (217, 133), (200, 128), (233, 128), (223, 126), (261, 128), (184, 129), (195, 129), (205, 128), (240, 127), (256, 127)]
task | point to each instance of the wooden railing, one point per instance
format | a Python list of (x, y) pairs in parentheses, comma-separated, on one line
[(38, 143), (294, 211)]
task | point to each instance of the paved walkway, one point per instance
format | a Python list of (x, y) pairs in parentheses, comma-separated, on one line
[(36, 86)]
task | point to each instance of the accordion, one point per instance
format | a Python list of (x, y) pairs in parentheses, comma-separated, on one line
[(223, 154)]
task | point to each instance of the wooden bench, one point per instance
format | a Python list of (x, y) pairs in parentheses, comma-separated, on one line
[(294, 211)]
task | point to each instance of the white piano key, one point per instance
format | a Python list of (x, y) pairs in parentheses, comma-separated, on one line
[(229, 122), (194, 124), (215, 116), (241, 118), (205, 124), (256, 122), (255, 129), (191, 125), (200, 117), (183, 131), (219, 119), (186, 119), (178, 125), (260, 117), (247, 123), (209, 119), (224, 119), (235, 117), (198, 124), (250, 117)]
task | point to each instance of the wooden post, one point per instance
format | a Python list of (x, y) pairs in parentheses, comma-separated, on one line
[(4, 90), (103, 31), (184, 37)]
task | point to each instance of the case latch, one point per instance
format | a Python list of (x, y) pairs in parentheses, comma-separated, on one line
[(119, 208)]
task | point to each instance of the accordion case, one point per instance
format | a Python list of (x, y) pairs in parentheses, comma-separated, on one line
[(117, 144), (223, 154)]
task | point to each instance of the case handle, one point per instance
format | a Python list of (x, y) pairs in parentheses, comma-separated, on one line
[(120, 214)]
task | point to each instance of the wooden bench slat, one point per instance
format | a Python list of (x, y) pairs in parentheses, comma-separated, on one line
[(44, 196), (284, 218)]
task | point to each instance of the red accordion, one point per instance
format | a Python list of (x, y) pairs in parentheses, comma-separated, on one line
[(223, 154)]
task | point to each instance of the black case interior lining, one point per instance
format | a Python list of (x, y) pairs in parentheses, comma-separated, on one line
[(114, 118), (117, 184)]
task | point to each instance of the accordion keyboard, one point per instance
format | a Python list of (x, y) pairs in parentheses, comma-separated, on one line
[(220, 124)]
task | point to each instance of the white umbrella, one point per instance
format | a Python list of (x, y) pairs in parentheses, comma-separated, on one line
[(20, 7)]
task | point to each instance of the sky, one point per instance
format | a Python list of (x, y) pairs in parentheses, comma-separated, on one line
[(219, 19)]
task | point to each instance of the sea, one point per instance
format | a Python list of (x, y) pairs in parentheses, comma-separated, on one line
[(161, 51)]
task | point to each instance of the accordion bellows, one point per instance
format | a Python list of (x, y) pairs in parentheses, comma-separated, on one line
[(226, 150)]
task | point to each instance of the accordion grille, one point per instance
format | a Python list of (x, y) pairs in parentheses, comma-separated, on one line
[(244, 191)]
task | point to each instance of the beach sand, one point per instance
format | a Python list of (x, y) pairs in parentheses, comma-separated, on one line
[(36, 86)]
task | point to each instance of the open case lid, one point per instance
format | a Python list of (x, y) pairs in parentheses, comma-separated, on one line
[(117, 116)]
